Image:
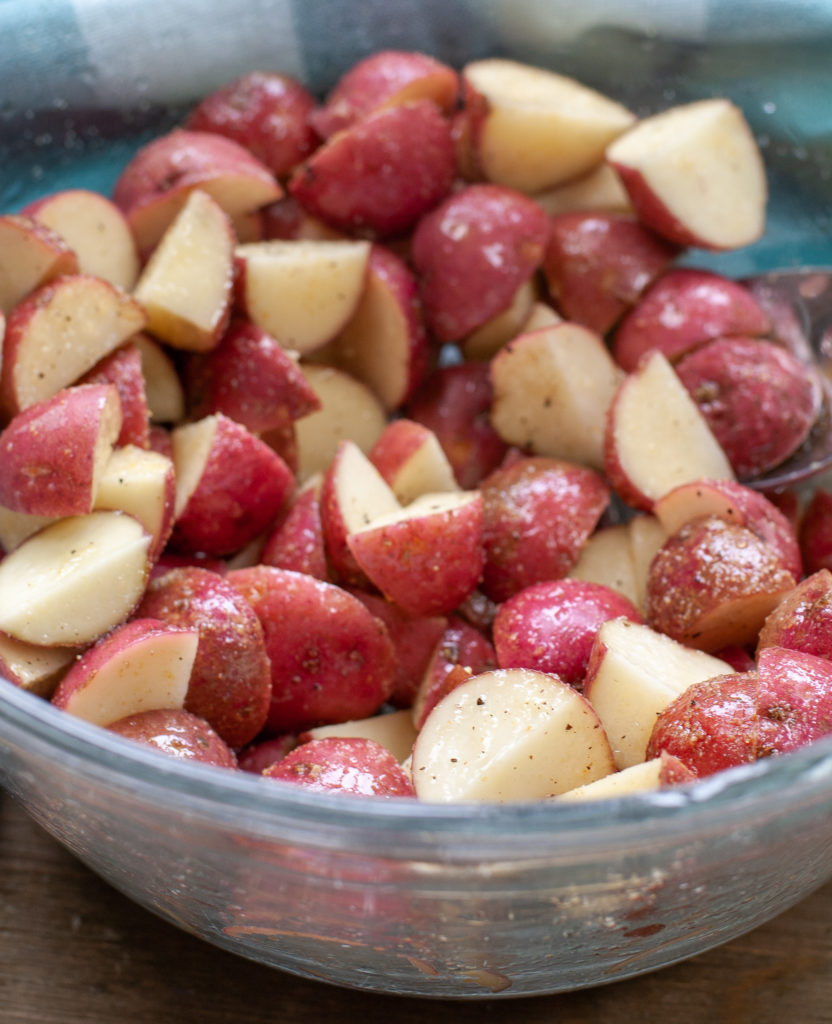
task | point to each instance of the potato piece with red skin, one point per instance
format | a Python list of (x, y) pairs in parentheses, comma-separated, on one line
[(426, 557), (759, 400), (537, 515), (598, 265), (731, 720), (551, 626), (155, 184), (250, 378), (463, 651), (230, 486), (332, 660), (455, 403), (264, 753), (735, 503), (815, 533), (411, 460), (296, 542), (341, 764), (802, 621), (33, 255), (264, 111), (177, 733), (414, 639), (383, 79), (473, 252), (380, 176), (713, 583), (53, 453), (683, 309), (230, 684), (123, 368)]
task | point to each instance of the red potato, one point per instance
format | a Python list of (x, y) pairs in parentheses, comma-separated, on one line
[(551, 627), (533, 129), (155, 184), (694, 174), (384, 343), (287, 221), (297, 540), (759, 400), (95, 229), (598, 265), (657, 773), (537, 515), (264, 753), (331, 659), (738, 719), (414, 639), (802, 621), (463, 651), (141, 483), (37, 670), (647, 534), (163, 388), (341, 764), (684, 308), (379, 176), (552, 390), (53, 453), (426, 557), (353, 494), (656, 438), (384, 79), (713, 583), (349, 411), (32, 256), (455, 404), (177, 733), (56, 586), (302, 293), (607, 558), (507, 735), (250, 378), (143, 665), (598, 191), (230, 682), (411, 460), (265, 112), (471, 254), (815, 532), (229, 486), (738, 658), (394, 730), (15, 527), (123, 369), (633, 673), (735, 503), (186, 285), (58, 333), (487, 339)]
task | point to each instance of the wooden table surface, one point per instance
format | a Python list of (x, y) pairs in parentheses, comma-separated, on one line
[(73, 951)]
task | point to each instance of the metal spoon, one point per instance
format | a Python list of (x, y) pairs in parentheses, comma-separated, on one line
[(799, 303)]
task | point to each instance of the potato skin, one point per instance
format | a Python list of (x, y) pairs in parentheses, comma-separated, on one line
[(177, 733), (360, 767), (802, 621)]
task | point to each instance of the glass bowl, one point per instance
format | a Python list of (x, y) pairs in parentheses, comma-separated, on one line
[(465, 901)]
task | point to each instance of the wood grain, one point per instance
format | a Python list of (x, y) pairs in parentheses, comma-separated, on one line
[(74, 951)]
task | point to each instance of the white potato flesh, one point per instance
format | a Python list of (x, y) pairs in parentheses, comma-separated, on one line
[(303, 292), (509, 735), (349, 411), (552, 388), (362, 493), (702, 162), (74, 580), (646, 537), (135, 480), (85, 319), (191, 444), (640, 673), (26, 261), (607, 558), (394, 731), (35, 669), (148, 674), (638, 778), (424, 506), (600, 190), (186, 285), (15, 527), (163, 387), (541, 128), (488, 338), (660, 437), (426, 471)]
